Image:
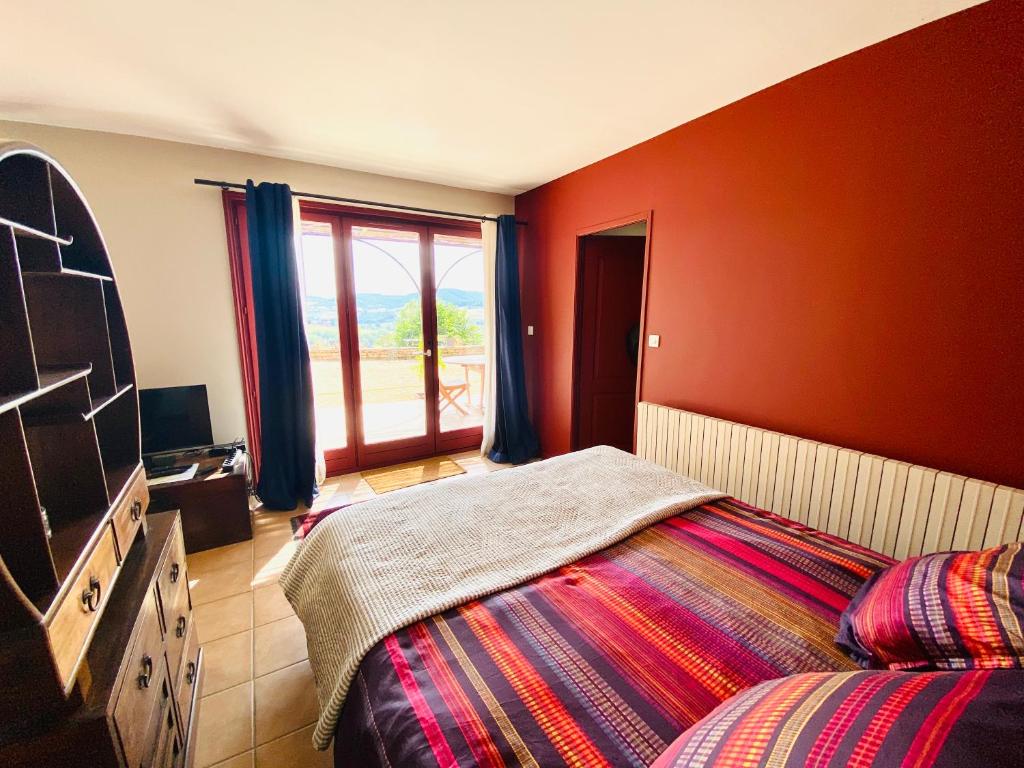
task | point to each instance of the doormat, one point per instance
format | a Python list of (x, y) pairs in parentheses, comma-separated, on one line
[(412, 473)]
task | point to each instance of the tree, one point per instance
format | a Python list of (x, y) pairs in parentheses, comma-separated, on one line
[(453, 324)]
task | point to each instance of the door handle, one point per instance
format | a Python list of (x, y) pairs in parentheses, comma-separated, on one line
[(427, 353)]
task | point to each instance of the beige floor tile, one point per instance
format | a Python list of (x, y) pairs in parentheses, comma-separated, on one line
[(269, 526), (225, 725), (245, 760), (278, 644), (285, 701), (224, 617), (337, 500), (220, 583), (228, 662), (293, 751), (269, 604), (221, 557), (363, 492), (336, 494), (277, 514), (267, 566), (272, 540), (475, 464)]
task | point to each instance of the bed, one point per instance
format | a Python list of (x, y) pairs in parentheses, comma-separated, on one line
[(606, 661), (601, 647)]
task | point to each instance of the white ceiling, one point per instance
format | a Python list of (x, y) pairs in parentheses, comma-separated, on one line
[(482, 94)]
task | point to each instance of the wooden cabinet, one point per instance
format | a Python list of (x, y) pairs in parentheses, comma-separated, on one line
[(214, 510), (144, 681), (98, 660)]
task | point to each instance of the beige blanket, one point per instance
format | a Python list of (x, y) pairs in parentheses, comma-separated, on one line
[(381, 565)]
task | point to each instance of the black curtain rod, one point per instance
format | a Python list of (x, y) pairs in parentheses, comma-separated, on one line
[(353, 201)]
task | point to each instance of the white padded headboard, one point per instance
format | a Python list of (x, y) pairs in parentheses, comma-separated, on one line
[(890, 506)]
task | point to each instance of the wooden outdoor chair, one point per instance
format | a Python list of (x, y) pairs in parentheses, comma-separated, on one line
[(450, 393)]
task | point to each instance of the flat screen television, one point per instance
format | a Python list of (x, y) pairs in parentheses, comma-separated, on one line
[(174, 419)]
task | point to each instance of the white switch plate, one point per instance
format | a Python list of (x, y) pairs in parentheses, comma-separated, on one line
[(529, 330), (654, 340)]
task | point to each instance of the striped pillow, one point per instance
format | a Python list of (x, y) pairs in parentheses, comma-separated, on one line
[(864, 719), (953, 610)]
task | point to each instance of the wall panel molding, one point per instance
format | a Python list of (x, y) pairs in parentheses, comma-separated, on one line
[(890, 506)]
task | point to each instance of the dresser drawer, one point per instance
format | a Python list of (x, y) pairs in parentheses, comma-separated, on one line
[(188, 678), (173, 581), (128, 516), (169, 752), (75, 618), (178, 630), (144, 687)]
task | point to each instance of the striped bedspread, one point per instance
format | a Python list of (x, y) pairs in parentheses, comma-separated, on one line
[(604, 662)]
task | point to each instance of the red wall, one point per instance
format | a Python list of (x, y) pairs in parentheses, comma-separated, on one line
[(840, 256)]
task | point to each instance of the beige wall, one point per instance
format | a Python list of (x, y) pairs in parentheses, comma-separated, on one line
[(167, 242)]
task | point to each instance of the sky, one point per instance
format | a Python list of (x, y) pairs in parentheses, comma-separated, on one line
[(376, 273)]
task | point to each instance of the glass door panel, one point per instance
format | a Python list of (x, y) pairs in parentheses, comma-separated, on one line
[(458, 267), (320, 307), (393, 370)]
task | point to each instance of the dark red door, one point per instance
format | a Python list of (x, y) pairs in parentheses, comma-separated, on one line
[(611, 288)]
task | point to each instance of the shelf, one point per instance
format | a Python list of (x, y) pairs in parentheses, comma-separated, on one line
[(100, 404), (70, 483), (90, 275), (23, 230), (49, 380), (86, 251), (67, 405), (52, 299), (69, 273)]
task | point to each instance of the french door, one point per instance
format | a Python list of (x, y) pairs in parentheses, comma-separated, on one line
[(394, 319)]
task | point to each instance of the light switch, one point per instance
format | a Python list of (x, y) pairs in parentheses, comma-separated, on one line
[(654, 340), (529, 330)]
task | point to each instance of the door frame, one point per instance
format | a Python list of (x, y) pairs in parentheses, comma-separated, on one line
[(402, 449), (340, 460), (469, 437), (647, 217)]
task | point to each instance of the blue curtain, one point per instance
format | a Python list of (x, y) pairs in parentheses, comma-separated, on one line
[(287, 427), (514, 438)]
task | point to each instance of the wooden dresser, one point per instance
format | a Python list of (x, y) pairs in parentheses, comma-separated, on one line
[(99, 661)]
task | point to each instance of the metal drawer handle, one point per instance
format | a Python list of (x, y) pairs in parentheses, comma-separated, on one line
[(136, 509), (179, 630), (91, 595), (190, 672), (147, 671), (175, 572)]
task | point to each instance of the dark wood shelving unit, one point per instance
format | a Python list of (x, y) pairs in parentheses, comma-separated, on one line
[(99, 660), (69, 434)]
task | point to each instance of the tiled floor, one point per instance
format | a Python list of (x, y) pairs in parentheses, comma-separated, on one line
[(259, 705)]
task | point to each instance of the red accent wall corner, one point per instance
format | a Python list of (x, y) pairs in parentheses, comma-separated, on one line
[(839, 256)]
